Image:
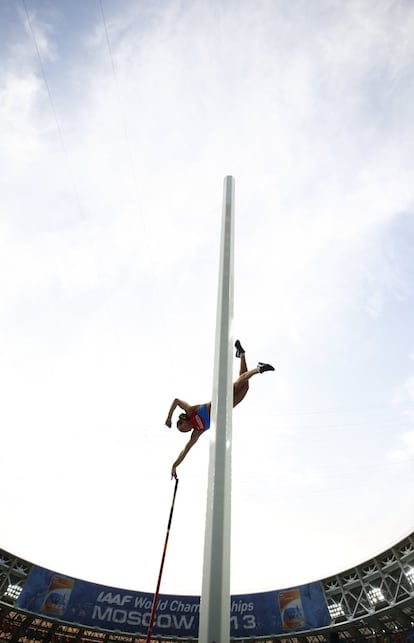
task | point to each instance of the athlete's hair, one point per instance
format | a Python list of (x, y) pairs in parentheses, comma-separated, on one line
[(183, 416)]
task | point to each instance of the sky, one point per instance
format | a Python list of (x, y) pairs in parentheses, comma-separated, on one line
[(118, 122)]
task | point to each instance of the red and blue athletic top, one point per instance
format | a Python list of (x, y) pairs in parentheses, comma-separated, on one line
[(200, 419)]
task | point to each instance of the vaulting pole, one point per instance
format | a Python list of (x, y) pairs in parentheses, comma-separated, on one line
[(215, 596), (157, 590)]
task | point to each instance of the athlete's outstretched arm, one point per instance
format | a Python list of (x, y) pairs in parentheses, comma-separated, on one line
[(183, 405), (191, 442)]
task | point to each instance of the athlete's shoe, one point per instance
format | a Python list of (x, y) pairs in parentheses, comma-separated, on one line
[(264, 367), (239, 348)]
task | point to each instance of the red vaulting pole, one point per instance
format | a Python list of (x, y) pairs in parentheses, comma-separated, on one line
[(155, 601)]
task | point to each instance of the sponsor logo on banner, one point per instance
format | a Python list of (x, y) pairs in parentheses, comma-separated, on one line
[(291, 609), (57, 596)]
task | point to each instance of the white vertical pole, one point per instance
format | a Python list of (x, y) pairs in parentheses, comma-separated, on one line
[(215, 596)]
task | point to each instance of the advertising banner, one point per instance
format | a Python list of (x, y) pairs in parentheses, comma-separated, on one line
[(260, 614)]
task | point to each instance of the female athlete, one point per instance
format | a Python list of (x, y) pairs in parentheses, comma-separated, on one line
[(197, 418)]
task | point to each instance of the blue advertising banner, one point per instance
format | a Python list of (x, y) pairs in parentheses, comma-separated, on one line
[(261, 614)]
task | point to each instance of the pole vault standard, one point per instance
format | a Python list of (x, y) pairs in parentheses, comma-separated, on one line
[(215, 596)]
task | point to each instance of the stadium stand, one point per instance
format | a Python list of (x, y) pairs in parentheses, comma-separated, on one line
[(373, 601)]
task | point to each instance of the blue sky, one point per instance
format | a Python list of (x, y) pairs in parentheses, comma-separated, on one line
[(112, 165)]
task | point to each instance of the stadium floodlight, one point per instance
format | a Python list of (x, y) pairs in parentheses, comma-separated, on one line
[(375, 596), (13, 591), (336, 610), (410, 575)]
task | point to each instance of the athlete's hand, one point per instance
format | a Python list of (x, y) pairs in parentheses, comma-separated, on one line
[(168, 422), (174, 472)]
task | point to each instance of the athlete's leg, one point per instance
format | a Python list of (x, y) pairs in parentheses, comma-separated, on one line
[(244, 377), (241, 386), (243, 365), (240, 352), (240, 390)]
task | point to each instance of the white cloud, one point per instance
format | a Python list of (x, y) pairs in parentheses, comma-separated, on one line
[(20, 139), (39, 29), (404, 394), (406, 450)]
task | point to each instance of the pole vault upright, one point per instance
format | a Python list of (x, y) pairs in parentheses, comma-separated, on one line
[(215, 596)]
